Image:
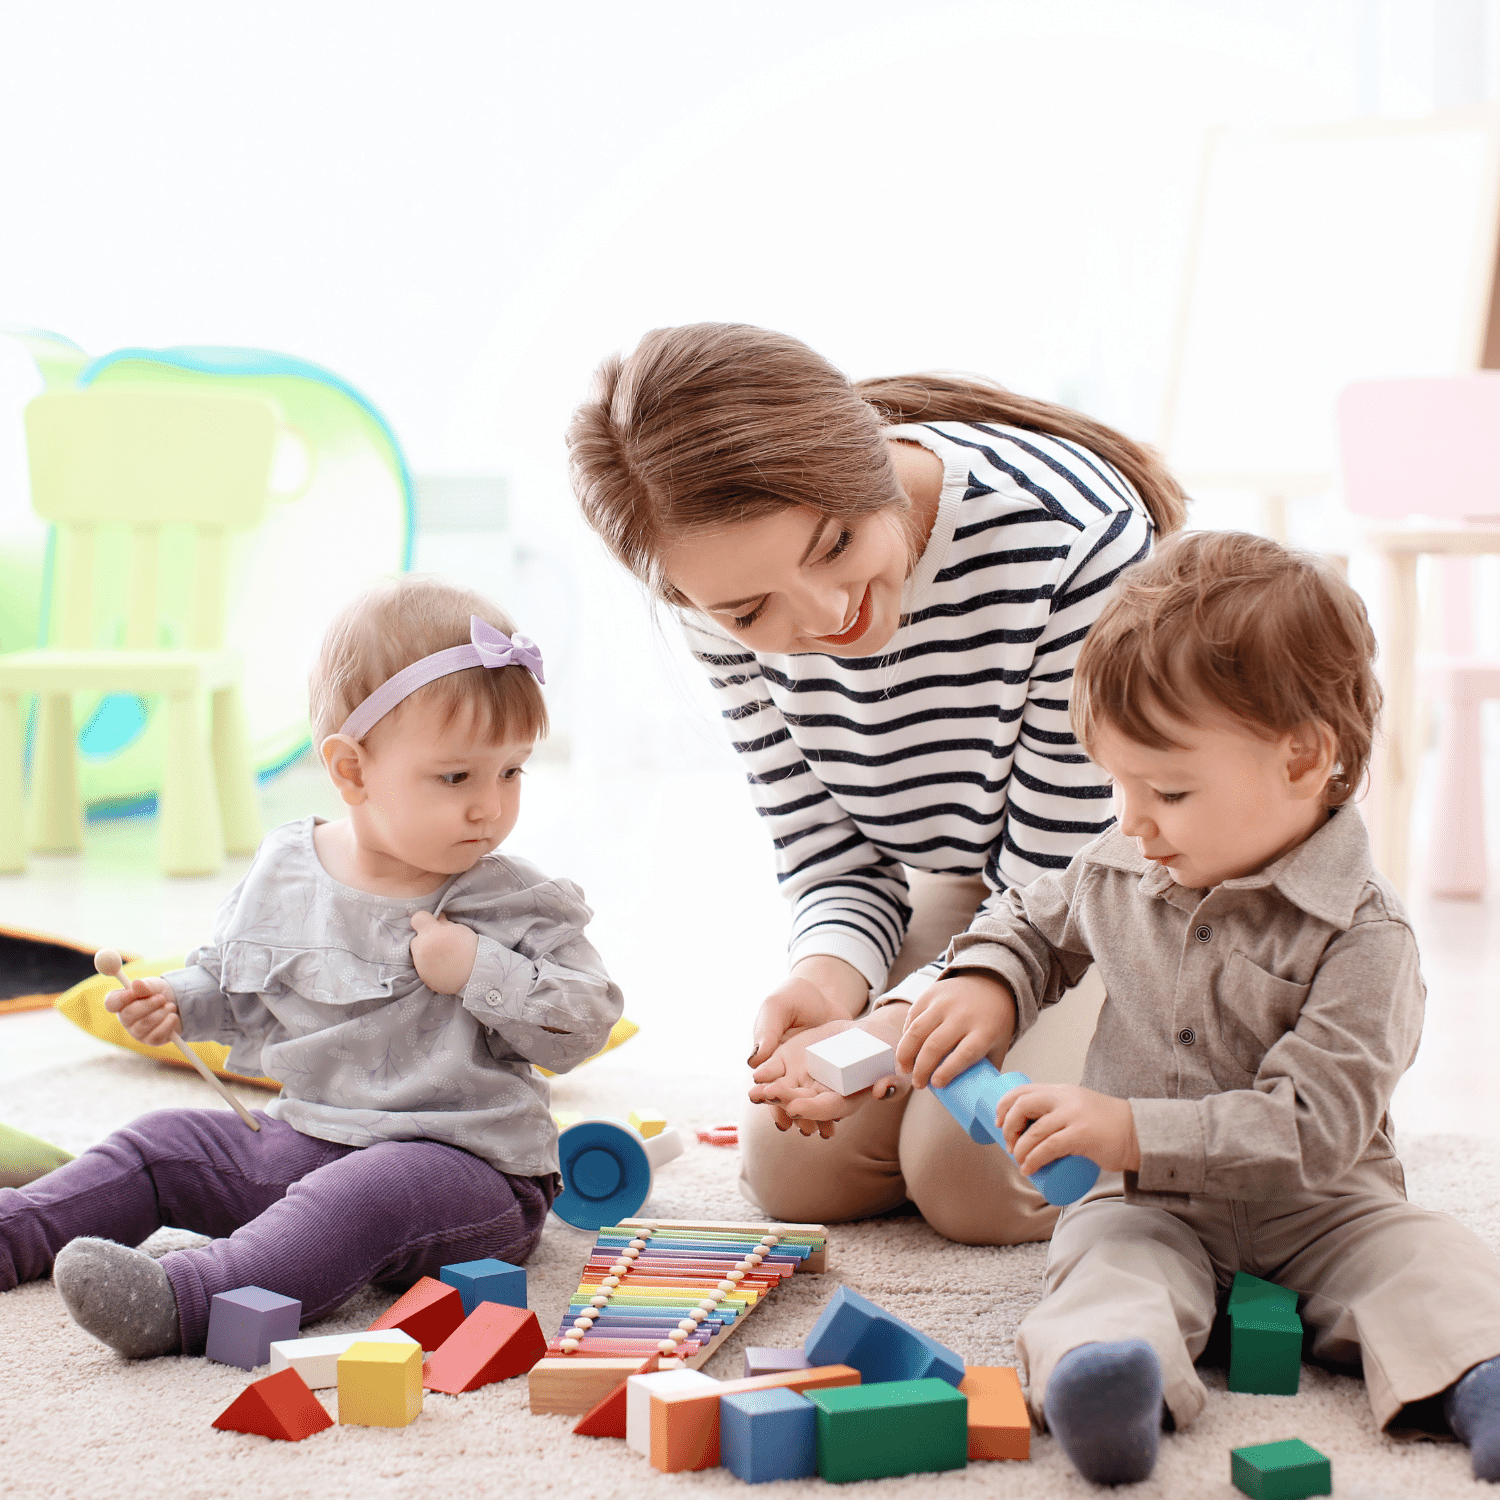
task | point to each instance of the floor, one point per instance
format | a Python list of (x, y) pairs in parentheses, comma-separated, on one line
[(680, 876)]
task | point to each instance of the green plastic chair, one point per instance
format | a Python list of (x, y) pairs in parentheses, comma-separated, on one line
[(145, 458)]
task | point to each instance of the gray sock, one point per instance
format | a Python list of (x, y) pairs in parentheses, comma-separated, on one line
[(1104, 1405), (119, 1295), (1472, 1407)]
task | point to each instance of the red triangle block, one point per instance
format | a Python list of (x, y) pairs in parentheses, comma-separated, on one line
[(493, 1343), (607, 1418), (429, 1312), (280, 1406)]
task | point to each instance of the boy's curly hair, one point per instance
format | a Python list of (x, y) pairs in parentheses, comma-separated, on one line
[(400, 621), (1274, 638)]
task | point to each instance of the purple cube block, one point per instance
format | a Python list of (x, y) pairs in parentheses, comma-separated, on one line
[(243, 1324), (774, 1362)]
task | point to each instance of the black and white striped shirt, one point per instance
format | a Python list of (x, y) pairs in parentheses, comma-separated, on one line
[(950, 751)]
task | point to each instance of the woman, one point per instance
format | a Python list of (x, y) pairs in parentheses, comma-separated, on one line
[(888, 583)]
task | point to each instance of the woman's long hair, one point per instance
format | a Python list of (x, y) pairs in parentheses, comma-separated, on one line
[(712, 424)]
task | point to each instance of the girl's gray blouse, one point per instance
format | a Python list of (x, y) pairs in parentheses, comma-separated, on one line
[(311, 982)]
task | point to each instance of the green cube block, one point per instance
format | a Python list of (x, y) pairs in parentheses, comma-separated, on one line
[(889, 1428), (1265, 1351), (1247, 1290), (1281, 1471)]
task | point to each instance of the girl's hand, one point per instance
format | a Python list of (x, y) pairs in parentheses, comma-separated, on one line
[(818, 990), (796, 1098), (147, 1009), (954, 1024), (1046, 1121), (443, 952)]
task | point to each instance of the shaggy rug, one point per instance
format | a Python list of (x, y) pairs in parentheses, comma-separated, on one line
[(78, 1421)]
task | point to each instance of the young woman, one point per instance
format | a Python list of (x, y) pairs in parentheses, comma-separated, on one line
[(888, 583)]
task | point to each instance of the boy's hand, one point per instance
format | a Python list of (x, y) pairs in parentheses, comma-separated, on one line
[(1044, 1122), (796, 1098), (443, 953), (147, 1009), (954, 1024)]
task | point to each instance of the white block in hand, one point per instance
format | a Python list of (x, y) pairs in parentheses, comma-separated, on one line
[(850, 1061)]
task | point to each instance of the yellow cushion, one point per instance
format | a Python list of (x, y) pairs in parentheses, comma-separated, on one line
[(83, 1005)]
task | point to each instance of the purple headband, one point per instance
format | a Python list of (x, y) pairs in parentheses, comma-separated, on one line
[(487, 647)]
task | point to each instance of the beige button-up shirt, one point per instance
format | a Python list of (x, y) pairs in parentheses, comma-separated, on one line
[(1257, 1029)]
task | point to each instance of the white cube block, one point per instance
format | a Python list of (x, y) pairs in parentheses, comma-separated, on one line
[(638, 1391), (850, 1061), (317, 1360)]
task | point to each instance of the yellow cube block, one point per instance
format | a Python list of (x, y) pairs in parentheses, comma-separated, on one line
[(566, 1117), (649, 1122), (380, 1385)]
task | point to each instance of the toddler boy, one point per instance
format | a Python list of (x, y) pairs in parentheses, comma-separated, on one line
[(1263, 1000)]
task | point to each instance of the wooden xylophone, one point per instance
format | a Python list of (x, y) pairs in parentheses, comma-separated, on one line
[(667, 1290)]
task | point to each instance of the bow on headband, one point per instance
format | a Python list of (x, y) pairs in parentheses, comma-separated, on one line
[(487, 647)]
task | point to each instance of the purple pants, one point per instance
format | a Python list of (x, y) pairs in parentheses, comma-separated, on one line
[(306, 1218)]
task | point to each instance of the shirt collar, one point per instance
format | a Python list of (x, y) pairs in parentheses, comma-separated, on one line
[(1325, 875)]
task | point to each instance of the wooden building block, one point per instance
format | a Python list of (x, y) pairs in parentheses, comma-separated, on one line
[(566, 1387), (1265, 1350), (849, 1061), (773, 1361), (486, 1281), (1247, 1290), (1287, 1470), (606, 1418), (493, 1343), (895, 1427), (852, 1330), (243, 1324), (685, 1421), (317, 1360), (765, 1435), (429, 1312), (277, 1406), (638, 1392), (380, 1385), (999, 1424), (648, 1122)]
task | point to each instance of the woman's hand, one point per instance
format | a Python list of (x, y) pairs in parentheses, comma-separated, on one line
[(443, 952), (796, 1098), (1046, 1121), (147, 1009), (954, 1024), (818, 990)]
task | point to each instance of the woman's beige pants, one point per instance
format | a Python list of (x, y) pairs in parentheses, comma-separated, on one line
[(910, 1146)]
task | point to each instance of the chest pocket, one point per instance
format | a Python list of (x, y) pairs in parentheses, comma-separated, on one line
[(1256, 1010)]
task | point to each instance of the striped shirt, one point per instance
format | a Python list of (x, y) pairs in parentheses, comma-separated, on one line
[(950, 751)]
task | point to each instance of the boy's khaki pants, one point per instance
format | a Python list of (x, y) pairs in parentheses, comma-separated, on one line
[(1409, 1294), (910, 1146)]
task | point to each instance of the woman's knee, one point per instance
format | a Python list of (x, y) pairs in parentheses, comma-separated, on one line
[(853, 1174)]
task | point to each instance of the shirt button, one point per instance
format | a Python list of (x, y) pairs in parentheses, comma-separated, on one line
[(1187, 1036), (1204, 933), (493, 997)]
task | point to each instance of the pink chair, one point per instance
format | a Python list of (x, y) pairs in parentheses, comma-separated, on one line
[(1431, 448)]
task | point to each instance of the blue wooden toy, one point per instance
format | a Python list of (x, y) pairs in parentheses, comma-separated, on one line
[(768, 1435), (486, 1281), (972, 1099), (852, 1330)]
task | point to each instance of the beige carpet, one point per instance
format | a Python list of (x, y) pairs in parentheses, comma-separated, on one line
[(77, 1421)]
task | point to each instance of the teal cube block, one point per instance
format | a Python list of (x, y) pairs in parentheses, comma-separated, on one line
[(1265, 1351), (486, 1281), (1251, 1290), (890, 1428), (1287, 1470)]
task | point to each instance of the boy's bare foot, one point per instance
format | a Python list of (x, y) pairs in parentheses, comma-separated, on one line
[(119, 1295)]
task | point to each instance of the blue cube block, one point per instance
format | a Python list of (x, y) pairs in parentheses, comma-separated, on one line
[(852, 1330), (486, 1281), (768, 1435), (244, 1323)]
